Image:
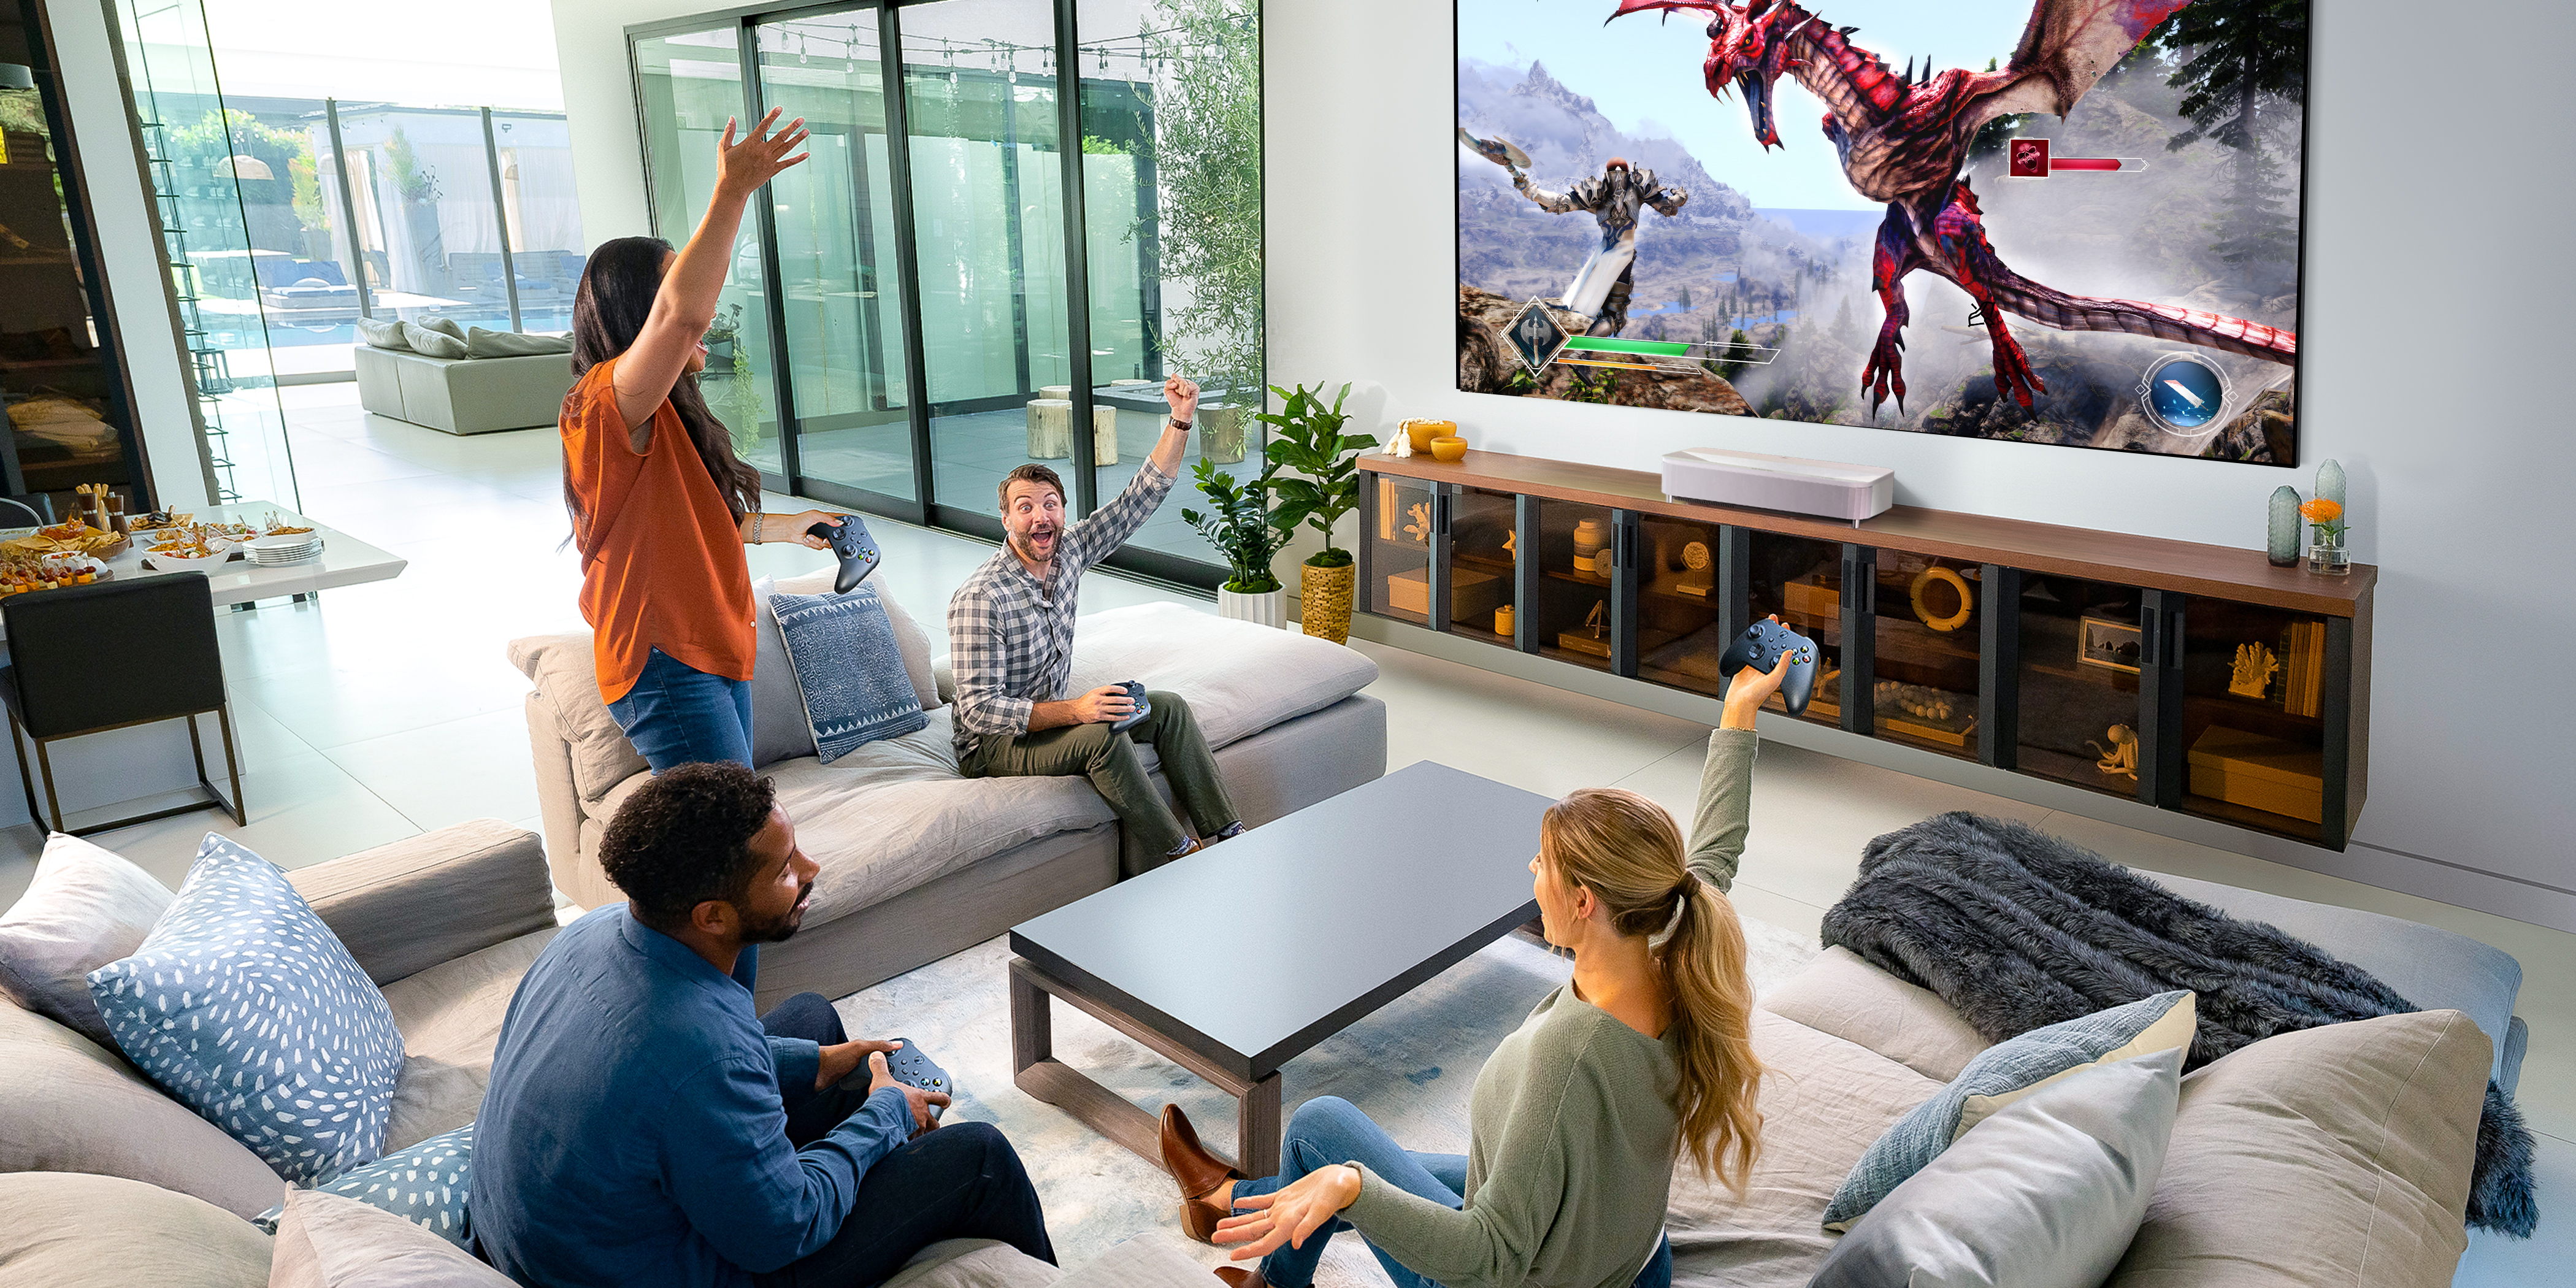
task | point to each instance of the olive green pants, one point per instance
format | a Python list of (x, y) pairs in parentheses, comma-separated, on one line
[(1110, 761)]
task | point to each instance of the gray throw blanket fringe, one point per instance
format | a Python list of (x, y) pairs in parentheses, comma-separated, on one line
[(2017, 929)]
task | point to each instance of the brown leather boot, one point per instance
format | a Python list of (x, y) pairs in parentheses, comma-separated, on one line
[(1239, 1277), (1196, 1171)]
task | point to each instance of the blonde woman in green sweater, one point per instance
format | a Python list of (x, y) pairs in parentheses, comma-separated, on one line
[(1581, 1115)]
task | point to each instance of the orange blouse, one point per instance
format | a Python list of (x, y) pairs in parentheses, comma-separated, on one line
[(664, 566)]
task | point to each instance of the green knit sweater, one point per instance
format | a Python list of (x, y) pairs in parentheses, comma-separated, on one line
[(1572, 1135)]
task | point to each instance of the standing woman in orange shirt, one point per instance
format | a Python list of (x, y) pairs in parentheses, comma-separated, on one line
[(661, 507)]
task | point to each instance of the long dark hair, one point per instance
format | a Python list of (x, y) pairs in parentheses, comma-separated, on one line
[(617, 289)]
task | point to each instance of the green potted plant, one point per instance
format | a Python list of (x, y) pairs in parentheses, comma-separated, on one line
[(1238, 524), (1306, 436)]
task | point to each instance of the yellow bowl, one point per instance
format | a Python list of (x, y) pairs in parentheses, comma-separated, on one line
[(1423, 431), (1451, 448)]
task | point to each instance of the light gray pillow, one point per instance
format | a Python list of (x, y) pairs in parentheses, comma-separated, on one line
[(325, 1240), (443, 326), (107, 1232), (480, 343), (383, 333), (87, 907), (780, 729), (2046, 1193), (430, 341)]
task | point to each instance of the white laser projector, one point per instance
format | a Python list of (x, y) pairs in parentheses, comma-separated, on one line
[(1825, 489)]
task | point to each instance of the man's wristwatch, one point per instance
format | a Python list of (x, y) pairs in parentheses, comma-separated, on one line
[(1180, 424)]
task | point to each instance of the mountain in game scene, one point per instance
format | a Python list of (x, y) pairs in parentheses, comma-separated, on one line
[(2105, 279)]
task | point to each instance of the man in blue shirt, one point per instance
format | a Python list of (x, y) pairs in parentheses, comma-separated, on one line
[(643, 1126)]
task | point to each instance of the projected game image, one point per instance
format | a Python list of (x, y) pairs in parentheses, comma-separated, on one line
[(2072, 222)]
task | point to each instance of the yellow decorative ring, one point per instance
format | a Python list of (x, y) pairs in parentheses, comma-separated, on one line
[(1967, 601)]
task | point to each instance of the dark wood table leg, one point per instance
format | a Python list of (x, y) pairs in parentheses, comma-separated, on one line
[(1257, 1129), (1036, 1071)]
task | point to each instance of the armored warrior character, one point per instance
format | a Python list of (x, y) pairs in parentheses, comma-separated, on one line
[(1601, 288)]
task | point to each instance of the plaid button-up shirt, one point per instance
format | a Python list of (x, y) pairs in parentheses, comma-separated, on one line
[(1010, 636)]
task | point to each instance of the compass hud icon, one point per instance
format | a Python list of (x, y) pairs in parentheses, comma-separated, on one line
[(2182, 393)]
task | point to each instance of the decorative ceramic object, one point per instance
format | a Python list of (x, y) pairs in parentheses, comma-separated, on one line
[(1697, 579), (1503, 622), (1266, 608), (1941, 598), (1419, 433), (2255, 667), (2330, 480), (1420, 528), (1324, 601), (1449, 450), (1590, 535), (2121, 757), (2282, 528)]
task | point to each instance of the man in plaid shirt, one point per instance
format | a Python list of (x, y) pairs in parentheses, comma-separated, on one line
[(1010, 639)]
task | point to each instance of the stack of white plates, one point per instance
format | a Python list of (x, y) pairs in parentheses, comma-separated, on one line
[(272, 551)]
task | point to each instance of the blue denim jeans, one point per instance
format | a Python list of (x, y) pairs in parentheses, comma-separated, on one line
[(1328, 1131), (679, 715)]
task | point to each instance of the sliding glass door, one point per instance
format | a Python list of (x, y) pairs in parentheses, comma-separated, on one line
[(949, 287)]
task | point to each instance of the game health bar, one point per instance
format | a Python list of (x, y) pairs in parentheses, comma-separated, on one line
[(1653, 355)]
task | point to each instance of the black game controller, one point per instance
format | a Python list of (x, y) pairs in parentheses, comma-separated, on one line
[(911, 1068), (1760, 647), (857, 550), (1135, 693)]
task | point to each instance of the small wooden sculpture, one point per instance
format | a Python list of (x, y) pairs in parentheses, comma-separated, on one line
[(1420, 528), (2255, 667), (2121, 757)]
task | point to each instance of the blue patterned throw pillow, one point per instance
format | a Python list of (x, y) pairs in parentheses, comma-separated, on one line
[(2002, 1074), (247, 1009), (843, 649), (424, 1185)]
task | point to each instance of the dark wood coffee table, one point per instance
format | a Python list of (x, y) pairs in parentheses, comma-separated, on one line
[(1342, 907)]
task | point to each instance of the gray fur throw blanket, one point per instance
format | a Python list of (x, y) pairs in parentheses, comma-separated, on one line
[(2017, 929)]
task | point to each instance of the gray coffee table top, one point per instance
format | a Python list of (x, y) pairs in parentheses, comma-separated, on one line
[(1257, 949)]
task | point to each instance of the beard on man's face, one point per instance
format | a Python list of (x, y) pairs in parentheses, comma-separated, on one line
[(778, 929)]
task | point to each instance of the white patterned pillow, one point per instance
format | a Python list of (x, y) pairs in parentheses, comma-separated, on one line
[(424, 1185), (245, 1007)]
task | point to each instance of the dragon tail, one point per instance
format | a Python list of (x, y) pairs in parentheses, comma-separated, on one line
[(2060, 311)]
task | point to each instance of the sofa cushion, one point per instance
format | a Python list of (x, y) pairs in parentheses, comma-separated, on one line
[(480, 343), (2003, 1073), (433, 342), (424, 900), (909, 638), (423, 1186), (2334, 1156), (247, 1009), (780, 729), (68, 1104), (567, 680), (450, 1016), (1840, 994), (327, 1240), (109, 1232), (2047, 1191), (976, 1263), (849, 669), (86, 908), (1823, 1101), (1239, 678), (383, 333)]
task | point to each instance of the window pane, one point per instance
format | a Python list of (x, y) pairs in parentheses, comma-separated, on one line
[(543, 215), (692, 85), (1171, 186), (836, 254), (423, 183), (988, 214)]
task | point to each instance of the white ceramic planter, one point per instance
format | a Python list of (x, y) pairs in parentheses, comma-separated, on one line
[(1264, 610)]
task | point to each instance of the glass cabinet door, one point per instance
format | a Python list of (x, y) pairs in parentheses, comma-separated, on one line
[(1399, 534), (1924, 651), (2078, 683), (1802, 581), (1484, 545), (2255, 695), (1683, 624), (1577, 547)]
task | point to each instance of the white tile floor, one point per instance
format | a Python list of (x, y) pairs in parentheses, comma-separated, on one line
[(382, 711)]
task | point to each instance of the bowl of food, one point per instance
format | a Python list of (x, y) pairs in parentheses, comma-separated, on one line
[(190, 556)]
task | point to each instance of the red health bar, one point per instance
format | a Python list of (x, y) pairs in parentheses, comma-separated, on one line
[(2083, 163)]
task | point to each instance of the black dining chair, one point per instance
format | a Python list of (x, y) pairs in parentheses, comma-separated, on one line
[(112, 655)]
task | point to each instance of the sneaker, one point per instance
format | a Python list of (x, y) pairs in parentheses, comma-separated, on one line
[(1227, 832)]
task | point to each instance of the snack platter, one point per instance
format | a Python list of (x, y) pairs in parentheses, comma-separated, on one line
[(73, 553)]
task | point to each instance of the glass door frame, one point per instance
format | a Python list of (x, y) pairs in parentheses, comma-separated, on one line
[(972, 516)]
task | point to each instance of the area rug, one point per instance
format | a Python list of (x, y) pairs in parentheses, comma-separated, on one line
[(1411, 1066)]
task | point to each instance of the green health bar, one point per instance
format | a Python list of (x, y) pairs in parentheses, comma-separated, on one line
[(1750, 354)]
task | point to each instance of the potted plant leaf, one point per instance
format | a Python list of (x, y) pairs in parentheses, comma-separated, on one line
[(1238, 524), (1306, 436)]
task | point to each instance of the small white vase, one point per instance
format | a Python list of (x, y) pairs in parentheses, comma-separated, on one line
[(1267, 609)]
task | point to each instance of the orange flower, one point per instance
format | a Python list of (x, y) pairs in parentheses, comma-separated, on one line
[(2321, 510)]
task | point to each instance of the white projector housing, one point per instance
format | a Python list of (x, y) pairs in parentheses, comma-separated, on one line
[(1826, 489)]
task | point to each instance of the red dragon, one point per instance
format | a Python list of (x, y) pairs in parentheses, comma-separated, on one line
[(1904, 141)]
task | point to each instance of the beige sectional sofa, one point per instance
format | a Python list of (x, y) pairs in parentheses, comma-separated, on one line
[(919, 861), (463, 395)]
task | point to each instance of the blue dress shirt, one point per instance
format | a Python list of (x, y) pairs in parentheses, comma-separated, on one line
[(634, 1131)]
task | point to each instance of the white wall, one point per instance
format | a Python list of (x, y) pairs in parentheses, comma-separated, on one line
[(599, 104), (2436, 340)]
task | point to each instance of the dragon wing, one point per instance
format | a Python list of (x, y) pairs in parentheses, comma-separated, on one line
[(1627, 7), (2068, 45)]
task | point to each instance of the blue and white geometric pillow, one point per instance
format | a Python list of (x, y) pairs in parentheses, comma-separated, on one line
[(424, 1185), (856, 690), (247, 1009), (2002, 1074)]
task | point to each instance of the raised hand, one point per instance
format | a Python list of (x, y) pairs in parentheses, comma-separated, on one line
[(1183, 395), (743, 166)]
